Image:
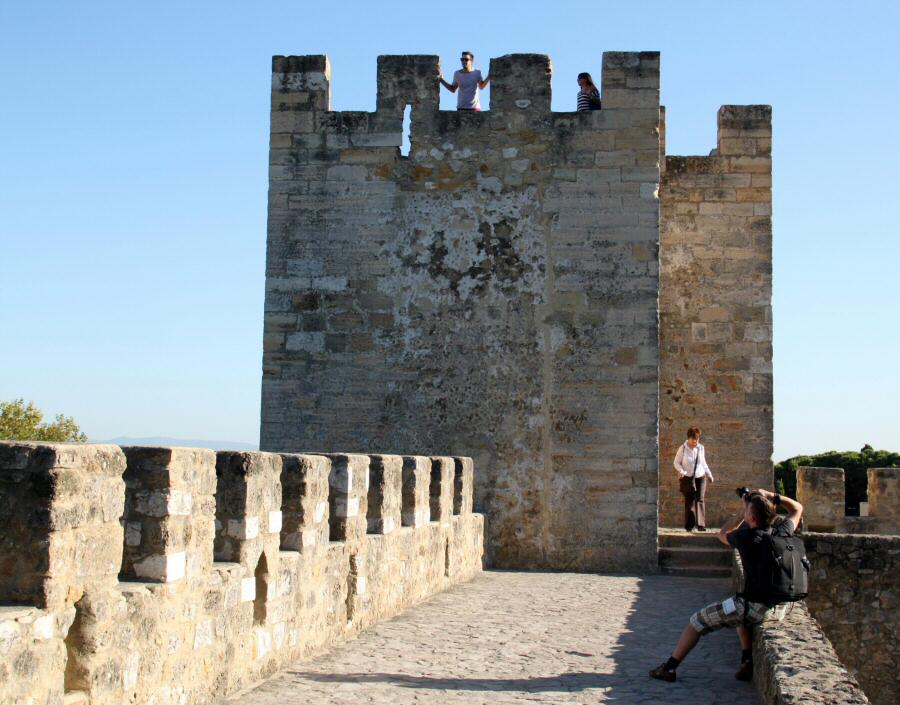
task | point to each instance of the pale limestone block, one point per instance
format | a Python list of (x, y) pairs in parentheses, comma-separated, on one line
[(244, 529), (248, 589), (166, 568), (180, 503), (44, 627), (132, 670), (9, 634), (278, 634), (203, 634), (274, 522), (308, 537), (262, 642)]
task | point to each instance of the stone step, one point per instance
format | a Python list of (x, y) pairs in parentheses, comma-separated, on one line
[(682, 539), (692, 571), (695, 556), (76, 697)]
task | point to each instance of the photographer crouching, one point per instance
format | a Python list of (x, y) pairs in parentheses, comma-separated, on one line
[(775, 573)]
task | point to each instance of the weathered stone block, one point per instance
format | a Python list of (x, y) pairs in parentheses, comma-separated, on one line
[(384, 497), (348, 486), (521, 82), (169, 512), (884, 499), (441, 489), (416, 476), (821, 492), (53, 543), (248, 489), (304, 482)]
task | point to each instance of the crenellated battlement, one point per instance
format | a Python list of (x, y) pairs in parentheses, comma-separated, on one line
[(234, 562), (519, 82)]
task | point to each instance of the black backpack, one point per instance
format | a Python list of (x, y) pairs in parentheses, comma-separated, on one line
[(782, 568)]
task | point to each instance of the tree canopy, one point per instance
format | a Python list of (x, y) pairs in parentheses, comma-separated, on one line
[(855, 465), (25, 422)]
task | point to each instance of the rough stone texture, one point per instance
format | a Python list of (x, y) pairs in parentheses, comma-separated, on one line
[(192, 636), (169, 513), (793, 661), (552, 638), (30, 646), (855, 596), (821, 492), (385, 491), (884, 499), (74, 493), (494, 293), (715, 311)]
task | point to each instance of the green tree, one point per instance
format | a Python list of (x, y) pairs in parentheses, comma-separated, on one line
[(25, 422), (855, 467)]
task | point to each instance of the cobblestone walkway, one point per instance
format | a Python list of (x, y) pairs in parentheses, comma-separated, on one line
[(526, 638)]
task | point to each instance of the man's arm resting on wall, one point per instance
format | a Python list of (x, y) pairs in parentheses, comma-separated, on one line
[(482, 84), (449, 86), (729, 526)]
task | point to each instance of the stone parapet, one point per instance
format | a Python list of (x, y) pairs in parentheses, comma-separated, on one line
[(855, 595), (154, 618), (794, 663), (821, 491)]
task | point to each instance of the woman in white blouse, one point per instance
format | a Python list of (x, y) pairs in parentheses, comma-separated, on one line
[(690, 462)]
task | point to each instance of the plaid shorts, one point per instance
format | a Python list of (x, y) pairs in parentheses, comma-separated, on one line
[(713, 617)]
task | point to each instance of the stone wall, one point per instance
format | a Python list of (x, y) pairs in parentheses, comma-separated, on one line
[(794, 663), (173, 575), (855, 596), (715, 311), (493, 292)]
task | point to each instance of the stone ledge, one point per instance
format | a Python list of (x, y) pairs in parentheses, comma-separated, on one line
[(794, 663)]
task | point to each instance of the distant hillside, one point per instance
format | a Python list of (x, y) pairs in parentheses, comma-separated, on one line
[(183, 442)]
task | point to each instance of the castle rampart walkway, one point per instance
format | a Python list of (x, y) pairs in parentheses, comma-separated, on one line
[(510, 637)]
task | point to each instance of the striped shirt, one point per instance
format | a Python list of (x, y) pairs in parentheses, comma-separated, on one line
[(584, 101)]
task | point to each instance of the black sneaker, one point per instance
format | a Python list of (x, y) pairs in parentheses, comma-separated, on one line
[(661, 673), (701, 528), (745, 672)]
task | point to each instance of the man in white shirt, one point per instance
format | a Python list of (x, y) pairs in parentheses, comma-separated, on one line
[(466, 84), (690, 462)]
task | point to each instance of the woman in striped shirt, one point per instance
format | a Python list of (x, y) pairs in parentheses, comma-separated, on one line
[(588, 95)]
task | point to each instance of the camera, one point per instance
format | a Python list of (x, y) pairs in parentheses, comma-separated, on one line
[(742, 492)]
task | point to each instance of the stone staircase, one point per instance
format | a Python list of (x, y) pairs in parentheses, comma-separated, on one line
[(696, 555)]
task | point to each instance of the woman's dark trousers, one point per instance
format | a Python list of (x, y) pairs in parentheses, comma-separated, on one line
[(698, 507)]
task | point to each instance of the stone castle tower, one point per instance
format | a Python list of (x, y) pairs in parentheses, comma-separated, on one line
[(543, 291)]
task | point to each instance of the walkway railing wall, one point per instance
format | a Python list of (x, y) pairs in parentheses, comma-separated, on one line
[(176, 575), (794, 663)]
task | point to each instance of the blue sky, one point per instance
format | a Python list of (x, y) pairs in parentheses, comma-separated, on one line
[(133, 152)]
